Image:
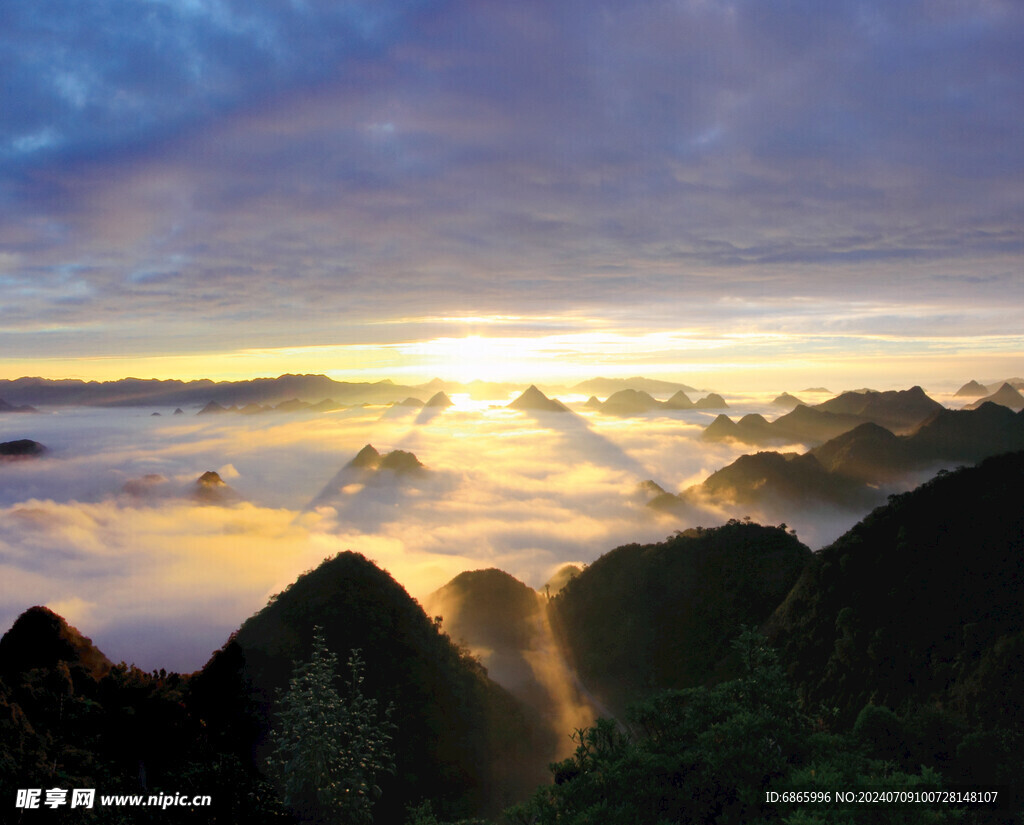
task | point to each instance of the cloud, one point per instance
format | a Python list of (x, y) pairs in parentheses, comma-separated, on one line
[(110, 76), (107, 527), (191, 570), (293, 166)]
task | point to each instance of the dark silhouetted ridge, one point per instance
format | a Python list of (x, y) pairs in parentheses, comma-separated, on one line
[(460, 740), (803, 424), (786, 477), (868, 453), (291, 405), (722, 428), (1005, 396), (150, 392), (969, 435), (647, 617), (21, 448), (40, 638), (848, 469), (921, 602), (895, 409), (649, 489)]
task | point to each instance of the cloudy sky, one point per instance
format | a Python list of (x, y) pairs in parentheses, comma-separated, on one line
[(700, 188)]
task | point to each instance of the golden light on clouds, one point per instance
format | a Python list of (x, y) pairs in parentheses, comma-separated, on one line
[(568, 349)]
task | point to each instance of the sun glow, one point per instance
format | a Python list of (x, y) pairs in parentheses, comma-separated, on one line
[(476, 357), (749, 359)]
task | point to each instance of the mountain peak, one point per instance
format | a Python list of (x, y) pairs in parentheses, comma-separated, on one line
[(721, 428), (712, 401), (1005, 396), (366, 457), (210, 488), (401, 461), (439, 399), (40, 638), (787, 400), (973, 389), (212, 408), (630, 402), (533, 399), (679, 401), (210, 478)]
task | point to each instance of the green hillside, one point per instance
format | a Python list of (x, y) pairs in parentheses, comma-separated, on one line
[(920, 609), (647, 617), (461, 740)]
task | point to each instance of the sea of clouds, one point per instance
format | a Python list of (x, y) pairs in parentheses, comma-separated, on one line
[(107, 528)]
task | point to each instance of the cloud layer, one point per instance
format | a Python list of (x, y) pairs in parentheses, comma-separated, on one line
[(111, 530), (216, 176)]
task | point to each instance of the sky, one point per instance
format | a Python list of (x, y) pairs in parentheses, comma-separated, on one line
[(728, 193)]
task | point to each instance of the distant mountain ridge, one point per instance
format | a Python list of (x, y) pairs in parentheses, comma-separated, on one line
[(10, 408), (630, 402), (1007, 396), (252, 408), (311, 388), (896, 410), (787, 400), (608, 386), (801, 425), (849, 469), (130, 392), (972, 389)]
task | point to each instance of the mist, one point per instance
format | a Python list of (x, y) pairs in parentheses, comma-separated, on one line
[(107, 528)]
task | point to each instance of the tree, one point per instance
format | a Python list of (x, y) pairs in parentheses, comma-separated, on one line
[(709, 754), (329, 749)]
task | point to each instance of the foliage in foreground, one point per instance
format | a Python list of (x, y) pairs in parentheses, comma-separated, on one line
[(708, 755), (329, 749)]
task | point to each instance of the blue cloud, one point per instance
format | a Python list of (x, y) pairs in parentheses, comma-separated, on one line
[(85, 77), (207, 165)]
